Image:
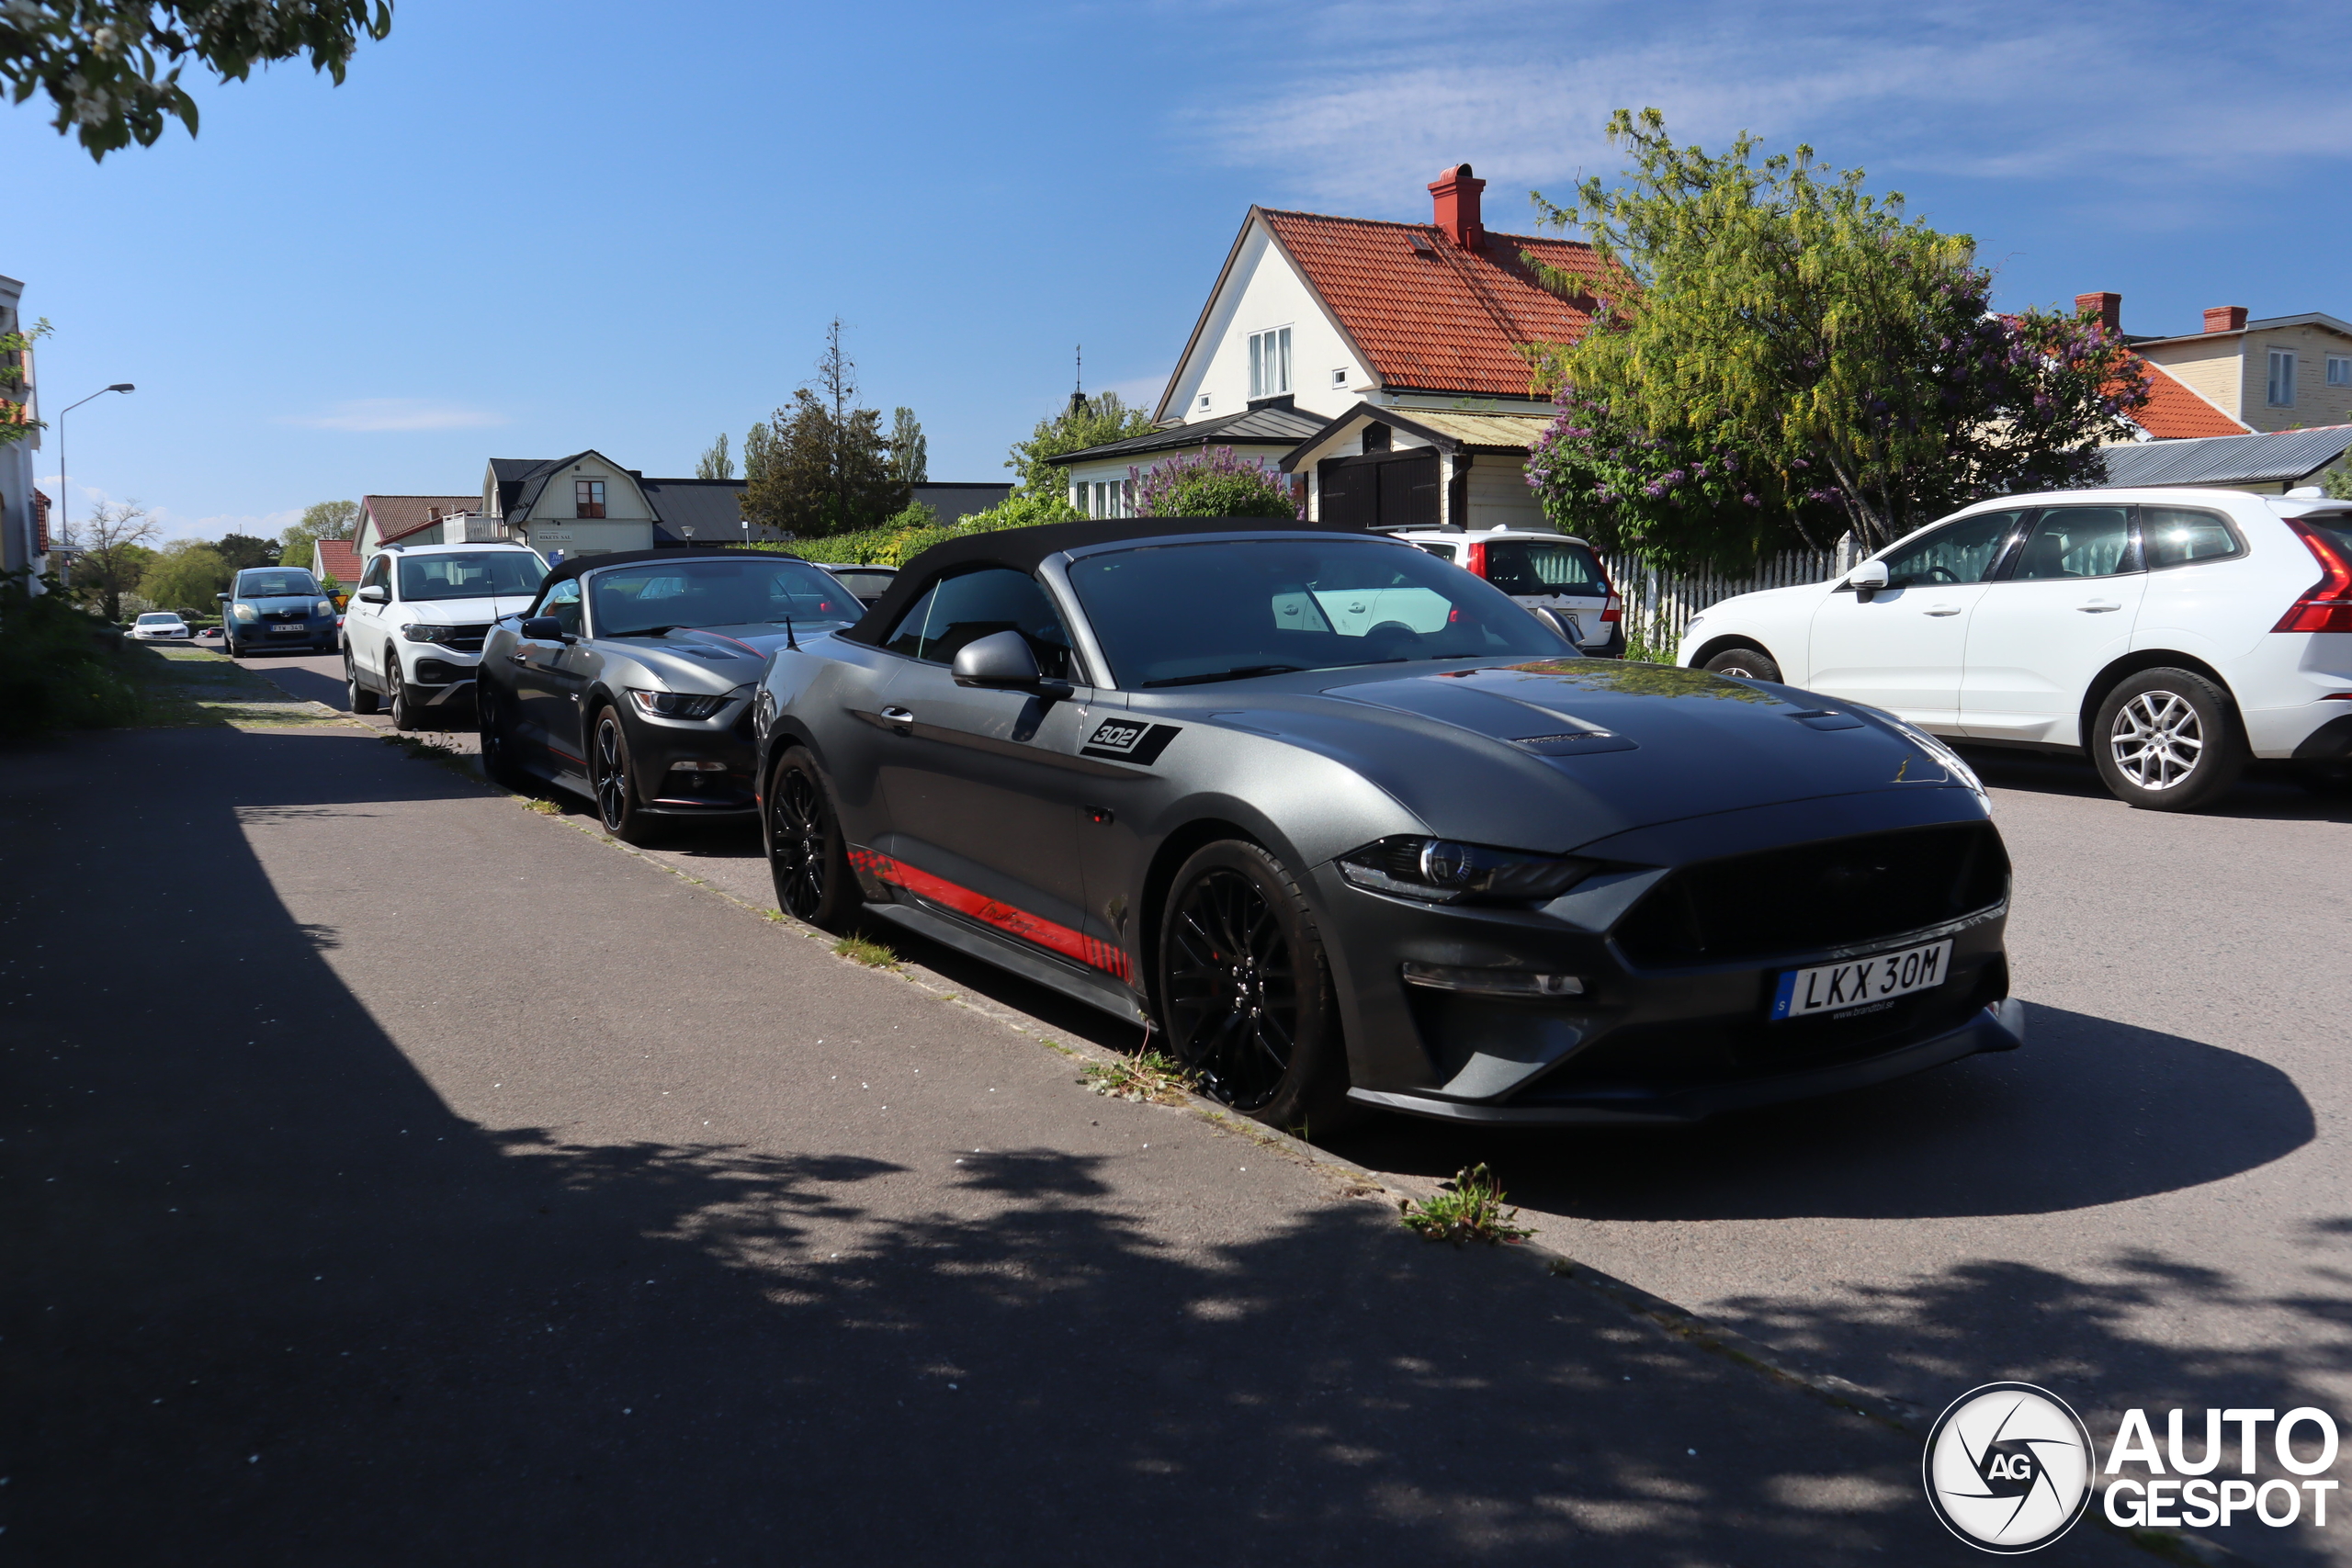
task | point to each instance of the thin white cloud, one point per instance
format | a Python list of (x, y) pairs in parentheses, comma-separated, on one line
[(372, 415), (1140, 392), (2011, 91)]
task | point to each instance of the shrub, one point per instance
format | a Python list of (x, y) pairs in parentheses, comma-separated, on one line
[(54, 674), (1213, 482), (899, 540)]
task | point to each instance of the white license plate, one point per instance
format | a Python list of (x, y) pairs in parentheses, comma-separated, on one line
[(1860, 983), (288, 631)]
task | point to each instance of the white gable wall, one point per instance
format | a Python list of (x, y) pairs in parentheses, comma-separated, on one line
[(1262, 290), (552, 522)]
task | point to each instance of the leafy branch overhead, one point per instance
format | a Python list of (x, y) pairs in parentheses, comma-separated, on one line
[(1792, 356), (112, 67)]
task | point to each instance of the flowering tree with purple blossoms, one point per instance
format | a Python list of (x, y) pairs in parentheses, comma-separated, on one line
[(1212, 482), (1847, 359)]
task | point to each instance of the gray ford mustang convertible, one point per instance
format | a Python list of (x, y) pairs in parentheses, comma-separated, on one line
[(629, 678), (1350, 827)]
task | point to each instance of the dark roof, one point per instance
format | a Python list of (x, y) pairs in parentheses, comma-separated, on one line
[(1276, 423), (521, 480), (712, 508), (579, 564), (1023, 549), (2272, 458)]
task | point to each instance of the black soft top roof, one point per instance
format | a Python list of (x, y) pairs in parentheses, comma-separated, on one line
[(1023, 549), (579, 564)]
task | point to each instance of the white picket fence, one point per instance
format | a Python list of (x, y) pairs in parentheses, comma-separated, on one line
[(1659, 604)]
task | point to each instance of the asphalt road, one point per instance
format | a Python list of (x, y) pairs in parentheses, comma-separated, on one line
[(2147, 1206)]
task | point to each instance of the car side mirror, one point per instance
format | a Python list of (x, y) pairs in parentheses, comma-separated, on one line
[(1002, 659), (542, 629), (375, 593), (1867, 579), (222, 597)]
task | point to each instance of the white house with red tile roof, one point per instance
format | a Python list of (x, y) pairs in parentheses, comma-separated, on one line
[(388, 519), (336, 560), (1317, 324)]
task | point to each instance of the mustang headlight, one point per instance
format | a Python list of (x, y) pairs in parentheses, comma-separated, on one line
[(244, 612), (1443, 872), (682, 705)]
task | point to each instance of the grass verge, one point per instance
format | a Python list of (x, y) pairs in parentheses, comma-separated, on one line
[(873, 954), (182, 688)]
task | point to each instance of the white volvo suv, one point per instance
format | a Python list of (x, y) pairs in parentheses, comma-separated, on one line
[(412, 635), (2171, 634)]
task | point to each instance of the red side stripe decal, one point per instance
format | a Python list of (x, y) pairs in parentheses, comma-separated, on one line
[(1086, 949)]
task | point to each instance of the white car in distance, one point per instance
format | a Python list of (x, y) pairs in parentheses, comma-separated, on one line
[(1556, 576), (161, 626), (2171, 634)]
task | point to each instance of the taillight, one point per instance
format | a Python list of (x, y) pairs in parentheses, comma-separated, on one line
[(2326, 605), (1477, 559)]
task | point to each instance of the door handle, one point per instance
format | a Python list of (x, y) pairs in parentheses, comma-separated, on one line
[(1942, 610), (516, 659), (898, 719), (2093, 606)]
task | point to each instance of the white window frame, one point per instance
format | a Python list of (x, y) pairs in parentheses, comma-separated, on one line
[(1269, 363), (1339, 380), (2281, 359), (2339, 370)]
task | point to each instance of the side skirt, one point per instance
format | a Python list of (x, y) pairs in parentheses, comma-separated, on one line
[(1079, 985)]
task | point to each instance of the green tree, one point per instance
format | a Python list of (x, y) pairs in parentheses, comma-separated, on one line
[(759, 452), (112, 67), (15, 415), (243, 551), (184, 576), (297, 543), (2338, 482), (827, 469), (114, 545), (910, 449), (1776, 315), (716, 464), (1087, 422)]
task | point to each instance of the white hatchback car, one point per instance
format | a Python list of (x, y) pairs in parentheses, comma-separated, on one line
[(2171, 634), (413, 634), (1556, 576)]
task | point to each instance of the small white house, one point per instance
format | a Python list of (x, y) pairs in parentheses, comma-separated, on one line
[(1314, 320)]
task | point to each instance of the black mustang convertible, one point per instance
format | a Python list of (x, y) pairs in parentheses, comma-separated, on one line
[(1352, 829)]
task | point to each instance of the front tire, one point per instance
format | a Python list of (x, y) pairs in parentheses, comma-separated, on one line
[(403, 708), (2167, 740), (497, 764), (1747, 663), (363, 698), (807, 857), (614, 782), (1245, 993)]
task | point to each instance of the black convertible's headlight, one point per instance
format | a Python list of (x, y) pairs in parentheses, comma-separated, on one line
[(677, 705), (1443, 872)]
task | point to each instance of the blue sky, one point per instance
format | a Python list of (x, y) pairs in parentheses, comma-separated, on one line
[(521, 229)]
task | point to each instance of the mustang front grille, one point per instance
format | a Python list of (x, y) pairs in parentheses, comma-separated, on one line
[(1818, 895)]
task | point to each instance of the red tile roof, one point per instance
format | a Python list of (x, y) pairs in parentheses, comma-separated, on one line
[(398, 517), (340, 558), (1439, 317), (2175, 413)]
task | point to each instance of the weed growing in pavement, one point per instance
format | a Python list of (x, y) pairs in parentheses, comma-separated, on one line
[(1149, 1076), (544, 808), (1468, 1208), (873, 954)]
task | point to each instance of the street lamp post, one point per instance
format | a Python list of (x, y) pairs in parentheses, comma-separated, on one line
[(64, 506)]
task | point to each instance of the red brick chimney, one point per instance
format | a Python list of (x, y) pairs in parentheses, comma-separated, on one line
[(1457, 206), (2225, 319), (2108, 308)]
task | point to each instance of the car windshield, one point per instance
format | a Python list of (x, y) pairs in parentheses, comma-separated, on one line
[(277, 582), (159, 620), (474, 574), (1187, 613), (655, 596)]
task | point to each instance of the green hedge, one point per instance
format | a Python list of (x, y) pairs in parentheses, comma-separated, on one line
[(57, 667), (903, 537)]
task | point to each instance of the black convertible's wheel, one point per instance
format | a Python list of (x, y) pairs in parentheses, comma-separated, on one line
[(1244, 990), (497, 764), (806, 855), (610, 777)]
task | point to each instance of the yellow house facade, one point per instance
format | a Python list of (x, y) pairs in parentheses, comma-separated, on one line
[(2279, 373)]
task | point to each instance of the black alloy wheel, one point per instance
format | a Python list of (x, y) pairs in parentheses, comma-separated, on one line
[(497, 764), (363, 698), (610, 776), (1244, 990), (1747, 663), (807, 856)]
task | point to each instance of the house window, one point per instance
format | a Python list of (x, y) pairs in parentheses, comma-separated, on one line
[(1104, 498), (587, 498), (1270, 363), (2283, 378), (1339, 379), (2339, 370), (1201, 406)]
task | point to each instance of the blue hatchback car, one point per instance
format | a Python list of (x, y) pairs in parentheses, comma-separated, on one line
[(277, 607)]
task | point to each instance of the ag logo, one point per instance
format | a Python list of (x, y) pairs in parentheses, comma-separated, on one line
[(2009, 1468), (1129, 740)]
